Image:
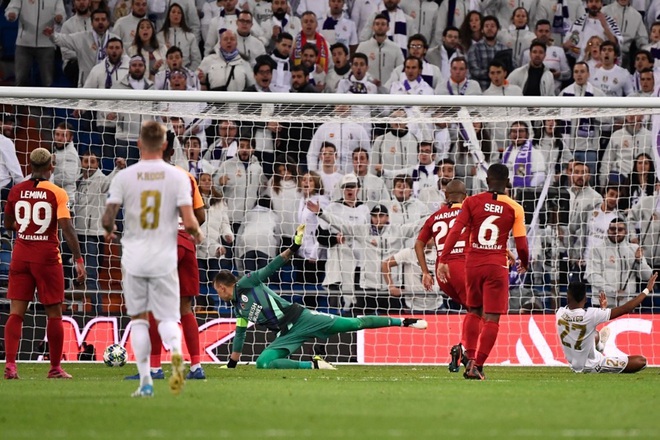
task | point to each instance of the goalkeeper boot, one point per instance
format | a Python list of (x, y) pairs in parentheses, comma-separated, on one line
[(320, 364), (177, 380), (419, 324), (144, 391), (58, 373), (473, 372), (456, 354), (158, 374), (603, 336), (197, 374), (11, 372)]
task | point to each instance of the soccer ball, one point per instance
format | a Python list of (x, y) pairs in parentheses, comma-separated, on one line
[(115, 356)]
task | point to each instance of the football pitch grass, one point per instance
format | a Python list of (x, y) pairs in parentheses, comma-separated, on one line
[(353, 402)]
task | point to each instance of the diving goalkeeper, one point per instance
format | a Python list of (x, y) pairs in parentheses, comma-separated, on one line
[(254, 302)]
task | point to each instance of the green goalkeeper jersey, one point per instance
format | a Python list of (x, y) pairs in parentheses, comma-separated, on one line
[(254, 301)]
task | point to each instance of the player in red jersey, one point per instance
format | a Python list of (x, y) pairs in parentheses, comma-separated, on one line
[(437, 227), (34, 210), (489, 217), (188, 271)]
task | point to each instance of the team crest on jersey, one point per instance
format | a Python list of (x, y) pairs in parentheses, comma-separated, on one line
[(612, 259), (615, 80), (244, 298), (626, 144)]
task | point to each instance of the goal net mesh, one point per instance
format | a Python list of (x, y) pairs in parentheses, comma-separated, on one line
[(576, 169)]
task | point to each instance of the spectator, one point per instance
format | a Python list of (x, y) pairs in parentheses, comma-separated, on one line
[(212, 252), (311, 265), (359, 82), (319, 8), (595, 223), (32, 43), (189, 14), (329, 171), (89, 46), (249, 46), (470, 30), (395, 149), (534, 78), (300, 80), (226, 145), (504, 11), (264, 133), (417, 48), (412, 82), (499, 86), (192, 149), (361, 13), (615, 267), (190, 125), (643, 62), (127, 26), (642, 180), (177, 33), (338, 28), (400, 25), (225, 19), (423, 13), (310, 35), (240, 180), (405, 208), (310, 55), (146, 44), (644, 223), (458, 82), (631, 24), (79, 22), (526, 165), (10, 169), (434, 196), (448, 49), (551, 145), (258, 238), (654, 43), (592, 22), (225, 70), (613, 80), (282, 189), (174, 61), (371, 188), (625, 144), (592, 55), (66, 160), (486, 50), (517, 36), (281, 22), (459, 15), (423, 174), (562, 14), (385, 54), (555, 57), (341, 68), (282, 56)]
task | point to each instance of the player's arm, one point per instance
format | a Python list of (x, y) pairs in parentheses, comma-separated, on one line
[(190, 223), (261, 275), (385, 266), (427, 278), (237, 344), (108, 220), (520, 236), (462, 221), (69, 232), (630, 305), (10, 218)]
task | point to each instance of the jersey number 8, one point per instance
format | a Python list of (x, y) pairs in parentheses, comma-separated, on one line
[(149, 209)]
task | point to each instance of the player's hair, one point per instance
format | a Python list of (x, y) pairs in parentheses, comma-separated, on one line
[(40, 159), (542, 22), (225, 277), (361, 56), (577, 290), (341, 46), (498, 172), (152, 135)]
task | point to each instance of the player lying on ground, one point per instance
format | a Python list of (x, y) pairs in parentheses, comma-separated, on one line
[(254, 302), (576, 326)]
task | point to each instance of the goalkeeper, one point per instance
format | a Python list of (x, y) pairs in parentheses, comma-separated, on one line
[(254, 302)]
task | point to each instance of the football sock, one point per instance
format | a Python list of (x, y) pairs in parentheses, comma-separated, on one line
[(55, 333), (13, 330), (156, 344), (343, 325), (486, 341), (170, 333), (471, 327), (191, 335), (195, 367), (141, 348)]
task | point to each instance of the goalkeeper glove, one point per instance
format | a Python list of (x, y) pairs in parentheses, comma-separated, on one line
[(298, 238)]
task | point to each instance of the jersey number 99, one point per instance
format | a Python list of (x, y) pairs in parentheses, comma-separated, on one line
[(149, 209), (39, 214)]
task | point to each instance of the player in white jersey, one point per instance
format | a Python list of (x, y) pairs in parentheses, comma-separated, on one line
[(581, 341), (153, 193)]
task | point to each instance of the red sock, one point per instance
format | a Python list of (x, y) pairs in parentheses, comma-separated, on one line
[(486, 341), (156, 342), (13, 331), (471, 329), (191, 335), (55, 333)]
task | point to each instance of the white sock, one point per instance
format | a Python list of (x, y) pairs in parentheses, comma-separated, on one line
[(170, 333), (195, 367), (155, 370), (142, 349)]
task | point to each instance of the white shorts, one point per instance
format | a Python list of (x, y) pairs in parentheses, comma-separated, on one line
[(158, 295), (606, 364)]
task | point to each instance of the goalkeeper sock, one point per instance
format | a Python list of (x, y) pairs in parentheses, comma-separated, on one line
[(55, 334), (141, 347), (471, 330), (486, 341), (156, 344), (13, 331), (191, 335), (170, 333)]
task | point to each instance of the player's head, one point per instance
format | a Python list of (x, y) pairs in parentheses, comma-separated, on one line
[(152, 137), (497, 177), (577, 292), (455, 191), (41, 162), (224, 283)]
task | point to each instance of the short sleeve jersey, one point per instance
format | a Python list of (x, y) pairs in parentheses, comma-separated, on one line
[(151, 192), (438, 225), (37, 205), (577, 333), (490, 217), (186, 239)]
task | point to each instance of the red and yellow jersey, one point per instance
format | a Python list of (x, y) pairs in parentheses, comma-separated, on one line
[(198, 202), (36, 205), (489, 217), (438, 225)]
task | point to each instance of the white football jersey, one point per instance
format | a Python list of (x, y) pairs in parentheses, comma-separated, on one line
[(151, 192), (577, 334)]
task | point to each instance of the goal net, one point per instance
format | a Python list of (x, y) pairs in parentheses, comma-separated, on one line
[(583, 170)]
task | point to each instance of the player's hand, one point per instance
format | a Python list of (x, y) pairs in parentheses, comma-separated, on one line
[(222, 180), (639, 253), (300, 232), (520, 268), (198, 237), (314, 207), (602, 300), (427, 281), (120, 163), (81, 273), (651, 282), (111, 236), (511, 259), (220, 251), (394, 290), (443, 272)]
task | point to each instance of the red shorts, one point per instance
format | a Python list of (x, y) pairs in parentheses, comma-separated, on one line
[(455, 286), (188, 271), (488, 287), (48, 279)]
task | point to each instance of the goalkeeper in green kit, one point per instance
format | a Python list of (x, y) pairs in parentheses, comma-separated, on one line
[(253, 301)]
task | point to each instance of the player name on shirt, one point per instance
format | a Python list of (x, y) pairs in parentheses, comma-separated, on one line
[(568, 318), (497, 209), (446, 215), (27, 194), (151, 176)]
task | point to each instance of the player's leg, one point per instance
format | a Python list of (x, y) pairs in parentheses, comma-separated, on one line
[(188, 270), (454, 288), (635, 363), (135, 296), (345, 325), (473, 319), (20, 292), (277, 359), (155, 364)]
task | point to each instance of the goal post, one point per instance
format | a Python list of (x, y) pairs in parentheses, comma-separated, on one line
[(302, 141)]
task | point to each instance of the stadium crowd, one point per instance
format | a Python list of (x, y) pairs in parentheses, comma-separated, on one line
[(377, 183)]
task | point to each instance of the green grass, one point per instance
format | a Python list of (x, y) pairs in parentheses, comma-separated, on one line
[(352, 402)]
